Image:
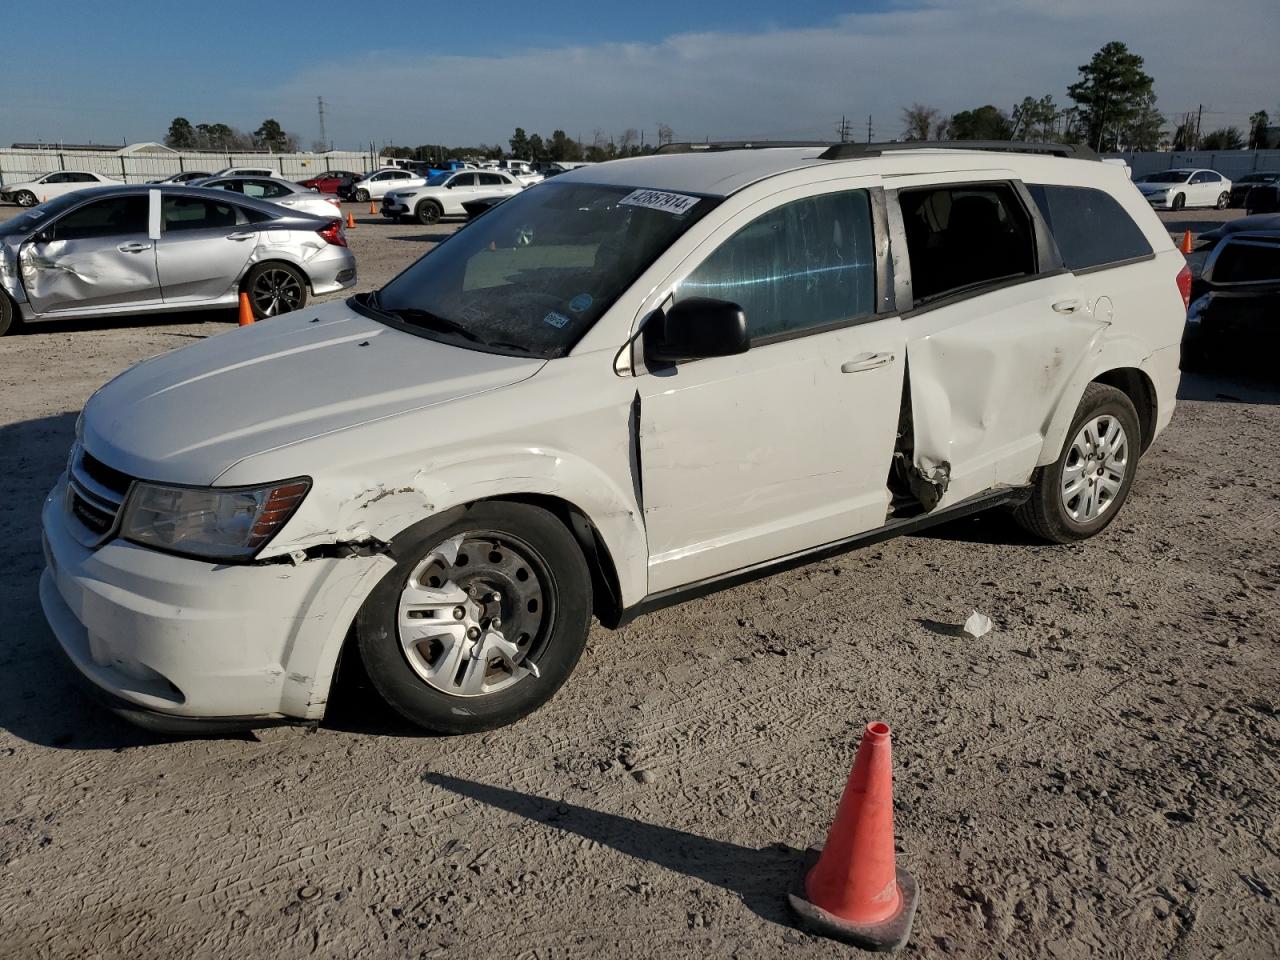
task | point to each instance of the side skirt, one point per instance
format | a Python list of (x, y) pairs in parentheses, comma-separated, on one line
[(702, 588)]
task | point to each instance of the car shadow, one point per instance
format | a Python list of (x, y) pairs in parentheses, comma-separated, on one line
[(125, 321), (423, 237), (995, 527), (1222, 380), (758, 877)]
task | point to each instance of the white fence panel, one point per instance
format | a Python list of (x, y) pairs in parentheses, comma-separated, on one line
[(1229, 163), (19, 165)]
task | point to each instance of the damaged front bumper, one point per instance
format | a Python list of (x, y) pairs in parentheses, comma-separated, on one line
[(179, 644)]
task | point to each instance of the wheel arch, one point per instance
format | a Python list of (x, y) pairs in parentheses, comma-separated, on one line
[(274, 258), (1116, 366), (1137, 386)]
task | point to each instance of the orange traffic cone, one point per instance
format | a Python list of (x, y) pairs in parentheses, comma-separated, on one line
[(852, 889), (351, 221), (246, 311), (1186, 242), (373, 207)]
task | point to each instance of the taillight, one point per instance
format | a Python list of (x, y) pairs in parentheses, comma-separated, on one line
[(334, 234), (1184, 285)]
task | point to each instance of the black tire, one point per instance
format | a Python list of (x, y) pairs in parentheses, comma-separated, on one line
[(1044, 513), (362, 196), (1179, 201), (8, 315), (26, 198), (264, 278), (1224, 201), (428, 212), (565, 583)]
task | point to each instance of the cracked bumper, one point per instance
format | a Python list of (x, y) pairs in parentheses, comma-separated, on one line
[(182, 640)]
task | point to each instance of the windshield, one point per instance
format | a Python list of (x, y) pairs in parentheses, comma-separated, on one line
[(534, 273), (438, 179), (1170, 176)]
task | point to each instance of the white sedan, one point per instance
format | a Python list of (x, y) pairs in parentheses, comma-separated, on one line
[(1185, 187), (444, 194), (376, 185), (31, 192), (282, 192)]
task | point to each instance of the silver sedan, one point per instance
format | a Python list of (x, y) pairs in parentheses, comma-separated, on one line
[(160, 249)]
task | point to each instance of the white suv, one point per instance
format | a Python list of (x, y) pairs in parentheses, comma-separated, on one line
[(445, 193), (636, 383)]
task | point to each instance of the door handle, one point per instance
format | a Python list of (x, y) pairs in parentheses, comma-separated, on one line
[(866, 361), (241, 236), (133, 247), (1068, 306)]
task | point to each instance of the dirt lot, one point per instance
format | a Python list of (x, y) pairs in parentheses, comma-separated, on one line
[(1096, 777)]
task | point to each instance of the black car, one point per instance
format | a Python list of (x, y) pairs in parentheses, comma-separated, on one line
[(1241, 186), (475, 208), (1235, 302)]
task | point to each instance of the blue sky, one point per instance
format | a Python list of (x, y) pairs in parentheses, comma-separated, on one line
[(461, 73)]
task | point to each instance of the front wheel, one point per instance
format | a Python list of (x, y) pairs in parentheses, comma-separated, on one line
[(428, 212), (25, 198), (362, 196), (275, 288), (1077, 496), (481, 622), (1179, 201), (1223, 200)]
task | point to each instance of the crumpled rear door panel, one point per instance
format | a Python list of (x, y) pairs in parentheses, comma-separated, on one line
[(986, 375), (73, 275)]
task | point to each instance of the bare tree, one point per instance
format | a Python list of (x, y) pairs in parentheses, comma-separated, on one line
[(918, 120), (665, 134)]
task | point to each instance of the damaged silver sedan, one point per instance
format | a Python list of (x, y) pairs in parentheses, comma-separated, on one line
[(636, 383), (161, 248)]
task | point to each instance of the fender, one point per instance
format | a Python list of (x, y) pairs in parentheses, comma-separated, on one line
[(1118, 351)]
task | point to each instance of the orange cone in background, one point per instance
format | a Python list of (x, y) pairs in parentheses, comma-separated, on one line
[(852, 890), (1186, 242), (246, 311), (373, 207), (351, 221)]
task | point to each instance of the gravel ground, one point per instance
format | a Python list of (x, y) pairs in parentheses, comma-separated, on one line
[(1095, 777)]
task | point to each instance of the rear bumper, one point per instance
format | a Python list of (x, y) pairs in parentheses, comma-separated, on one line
[(331, 270)]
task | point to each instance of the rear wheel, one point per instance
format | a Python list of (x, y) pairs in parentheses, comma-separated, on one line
[(275, 288), (1076, 497), (1224, 199), (25, 198), (480, 623), (8, 315), (362, 196), (428, 212)]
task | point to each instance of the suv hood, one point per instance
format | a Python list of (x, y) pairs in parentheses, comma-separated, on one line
[(188, 416)]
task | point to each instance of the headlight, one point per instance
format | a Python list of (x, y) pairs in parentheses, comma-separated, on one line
[(218, 524)]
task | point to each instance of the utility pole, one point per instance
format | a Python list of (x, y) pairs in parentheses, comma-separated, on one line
[(1199, 114), (843, 130), (868, 128), (320, 108)]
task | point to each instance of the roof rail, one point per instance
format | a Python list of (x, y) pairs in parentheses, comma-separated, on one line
[(852, 151), (716, 146)]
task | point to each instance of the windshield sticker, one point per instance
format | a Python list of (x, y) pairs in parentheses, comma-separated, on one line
[(580, 302), (557, 320), (674, 203)]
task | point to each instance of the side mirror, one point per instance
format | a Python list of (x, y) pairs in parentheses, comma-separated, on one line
[(44, 236), (696, 328)]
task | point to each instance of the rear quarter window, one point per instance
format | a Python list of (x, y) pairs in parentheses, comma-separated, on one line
[(1090, 226)]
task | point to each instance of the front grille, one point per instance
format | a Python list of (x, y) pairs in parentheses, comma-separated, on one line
[(96, 493)]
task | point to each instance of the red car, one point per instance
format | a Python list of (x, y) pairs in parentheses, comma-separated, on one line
[(330, 181)]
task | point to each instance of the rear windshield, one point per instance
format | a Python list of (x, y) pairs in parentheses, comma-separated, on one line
[(535, 272)]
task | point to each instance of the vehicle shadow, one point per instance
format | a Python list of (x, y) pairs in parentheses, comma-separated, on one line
[(995, 527), (758, 877), (41, 700), (125, 321), (424, 237), (1227, 379)]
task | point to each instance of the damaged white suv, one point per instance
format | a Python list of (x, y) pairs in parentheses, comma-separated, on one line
[(638, 383)]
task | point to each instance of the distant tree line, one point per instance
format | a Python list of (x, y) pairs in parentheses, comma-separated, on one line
[(559, 146), (1114, 108), (184, 135)]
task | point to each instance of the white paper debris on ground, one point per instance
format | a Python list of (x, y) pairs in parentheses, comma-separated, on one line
[(978, 624)]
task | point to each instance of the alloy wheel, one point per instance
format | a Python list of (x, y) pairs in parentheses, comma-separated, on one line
[(474, 615), (1094, 472), (276, 291)]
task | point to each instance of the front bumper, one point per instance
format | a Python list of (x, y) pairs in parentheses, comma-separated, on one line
[(392, 207), (185, 640), (1158, 200)]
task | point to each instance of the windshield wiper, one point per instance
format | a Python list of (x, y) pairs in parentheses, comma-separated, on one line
[(506, 345), (425, 318)]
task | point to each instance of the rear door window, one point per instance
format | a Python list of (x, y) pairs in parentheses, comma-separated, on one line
[(964, 237), (1091, 227), (114, 216), (197, 213)]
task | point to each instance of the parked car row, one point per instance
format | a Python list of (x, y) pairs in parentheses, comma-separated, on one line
[(445, 194)]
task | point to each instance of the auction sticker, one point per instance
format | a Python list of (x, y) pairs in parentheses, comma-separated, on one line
[(674, 203), (557, 320)]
